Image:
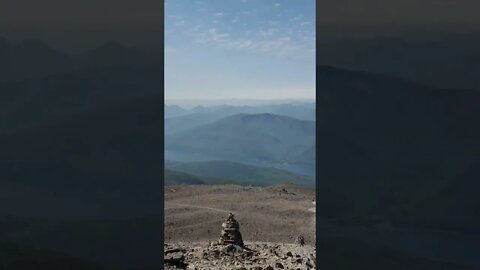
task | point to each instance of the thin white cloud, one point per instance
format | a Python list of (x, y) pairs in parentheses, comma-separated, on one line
[(180, 23), (265, 42), (268, 32), (212, 36), (242, 44), (271, 35), (296, 18)]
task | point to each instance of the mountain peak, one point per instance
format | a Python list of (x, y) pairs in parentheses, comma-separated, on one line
[(261, 117), (36, 47)]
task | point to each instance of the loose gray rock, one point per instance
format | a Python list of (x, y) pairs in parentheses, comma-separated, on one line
[(230, 233), (300, 240)]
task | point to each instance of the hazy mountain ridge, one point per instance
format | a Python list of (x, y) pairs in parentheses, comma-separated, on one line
[(179, 119), (93, 156), (189, 121), (172, 177), (399, 140), (74, 129), (303, 111), (80, 139), (32, 59), (33, 102), (458, 201), (263, 137), (237, 173), (439, 59)]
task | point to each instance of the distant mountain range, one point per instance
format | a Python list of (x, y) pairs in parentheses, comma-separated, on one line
[(81, 140), (219, 172), (33, 102), (84, 131), (35, 59), (107, 156), (253, 137), (391, 147), (172, 177), (456, 206), (302, 111), (74, 132), (441, 60), (179, 119)]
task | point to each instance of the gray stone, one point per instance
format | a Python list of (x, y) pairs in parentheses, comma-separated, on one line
[(230, 233), (300, 240)]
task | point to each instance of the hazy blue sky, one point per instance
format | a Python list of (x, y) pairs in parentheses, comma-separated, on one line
[(255, 49)]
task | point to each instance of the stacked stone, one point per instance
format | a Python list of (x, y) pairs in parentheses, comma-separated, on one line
[(231, 232)]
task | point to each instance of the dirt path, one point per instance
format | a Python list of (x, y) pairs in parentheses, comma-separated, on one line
[(196, 212), (203, 207)]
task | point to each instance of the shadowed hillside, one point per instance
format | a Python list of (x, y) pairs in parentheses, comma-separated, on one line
[(338, 253), (12, 257), (401, 142), (81, 142), (34, 59), (262, 137), (177, 118), (434, 58), (235, 173)]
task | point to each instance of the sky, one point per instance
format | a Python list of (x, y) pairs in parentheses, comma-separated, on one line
[(75, 26), (239, 49)]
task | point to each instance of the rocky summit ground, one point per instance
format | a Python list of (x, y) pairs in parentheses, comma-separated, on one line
[(270, 218), (255, 256)]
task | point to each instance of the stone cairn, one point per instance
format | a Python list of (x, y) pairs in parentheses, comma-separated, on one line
[(231, 232)]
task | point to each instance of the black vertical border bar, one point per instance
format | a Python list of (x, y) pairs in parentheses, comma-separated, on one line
[(162, 131)]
